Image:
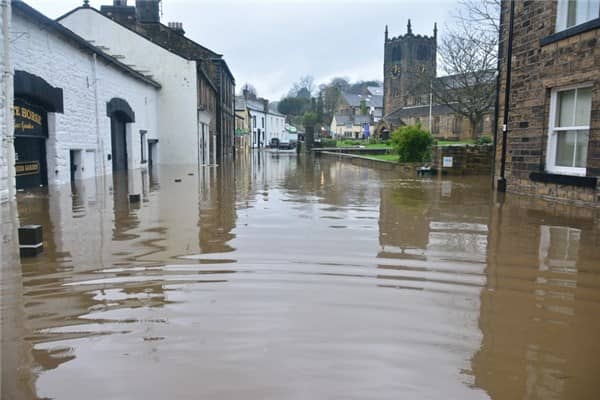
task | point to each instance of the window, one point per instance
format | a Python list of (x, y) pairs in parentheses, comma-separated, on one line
[(575, 12), (435, 129), (570, 112), (457, 125), (142, 146)]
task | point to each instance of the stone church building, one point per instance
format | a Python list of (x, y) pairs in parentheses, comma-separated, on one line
[(407, 99)]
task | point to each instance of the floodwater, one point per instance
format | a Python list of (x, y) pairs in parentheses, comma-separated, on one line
[(286, 278)]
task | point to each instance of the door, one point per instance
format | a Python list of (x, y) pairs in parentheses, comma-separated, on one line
[(30, 162), (118, 143)]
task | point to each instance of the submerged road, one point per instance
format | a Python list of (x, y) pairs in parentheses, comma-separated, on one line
[(286, 278)]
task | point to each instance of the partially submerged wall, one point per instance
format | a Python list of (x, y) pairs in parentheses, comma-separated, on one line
[(463, 159)]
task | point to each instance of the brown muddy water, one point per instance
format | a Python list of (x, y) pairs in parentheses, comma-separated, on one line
[(285, 278)]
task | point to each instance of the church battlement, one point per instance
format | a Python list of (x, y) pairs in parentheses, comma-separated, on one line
[(409, 34)]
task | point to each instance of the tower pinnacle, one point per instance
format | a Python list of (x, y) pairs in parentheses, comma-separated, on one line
[(409, 28)]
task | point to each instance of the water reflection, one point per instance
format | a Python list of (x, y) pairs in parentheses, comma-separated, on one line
[(539, 333), (286, 277)]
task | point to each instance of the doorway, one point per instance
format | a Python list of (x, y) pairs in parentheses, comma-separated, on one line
[(76, 165), (118, 142), (30, 162)]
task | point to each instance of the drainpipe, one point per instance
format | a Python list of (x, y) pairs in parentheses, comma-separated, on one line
[(99, 141), (497, 95), (501, 184), (8, 89)]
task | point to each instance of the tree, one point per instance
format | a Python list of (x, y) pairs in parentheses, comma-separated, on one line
[(303, 88), (294, 105), (309, 120), (248, 90), (331, 98), (412, 144), (469, 51)]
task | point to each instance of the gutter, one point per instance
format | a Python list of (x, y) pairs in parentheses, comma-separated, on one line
[(501, 183)]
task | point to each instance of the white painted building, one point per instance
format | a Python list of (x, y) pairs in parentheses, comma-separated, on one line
[(276, 127), (6, 95), (180, 123), (78, 112), (265, 124)]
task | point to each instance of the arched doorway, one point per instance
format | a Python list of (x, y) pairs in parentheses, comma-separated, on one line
[(120, 114), (34, 98)]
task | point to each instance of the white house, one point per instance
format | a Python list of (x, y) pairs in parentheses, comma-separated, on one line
[(351, 127), (265, 123), (78, 112), (276, 126), (178, 103)]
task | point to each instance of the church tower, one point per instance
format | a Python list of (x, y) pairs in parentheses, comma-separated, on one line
[(408, 60)]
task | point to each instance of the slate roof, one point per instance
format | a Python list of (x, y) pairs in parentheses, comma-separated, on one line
[(354, 100), (57, 28), (240, 103), (375, 90), (346, 120)]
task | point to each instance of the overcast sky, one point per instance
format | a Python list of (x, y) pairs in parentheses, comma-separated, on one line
[(271, 44)]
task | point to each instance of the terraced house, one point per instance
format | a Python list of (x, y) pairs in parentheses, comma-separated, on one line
[(137, 34), (548, 134)]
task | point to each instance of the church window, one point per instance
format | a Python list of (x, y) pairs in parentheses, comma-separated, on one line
[(422, 53), (397, 53)]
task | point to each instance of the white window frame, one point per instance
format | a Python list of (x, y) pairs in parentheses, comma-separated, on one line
[(552, 137), (563, 10)]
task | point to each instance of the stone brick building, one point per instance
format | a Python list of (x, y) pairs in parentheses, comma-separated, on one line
[(548, 134), (408, 60)]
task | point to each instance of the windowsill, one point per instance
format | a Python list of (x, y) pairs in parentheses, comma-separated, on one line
[(572, 31), (569, 180)]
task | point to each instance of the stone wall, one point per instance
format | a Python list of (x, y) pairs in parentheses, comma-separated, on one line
[(6, 95), (466, 159), (406, 170), (538, 66)]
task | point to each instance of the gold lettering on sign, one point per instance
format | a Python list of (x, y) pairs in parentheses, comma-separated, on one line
[(26, 113), (28, 168)]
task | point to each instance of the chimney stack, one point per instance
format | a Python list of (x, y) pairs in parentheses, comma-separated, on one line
[(147, 11), (177, 27)]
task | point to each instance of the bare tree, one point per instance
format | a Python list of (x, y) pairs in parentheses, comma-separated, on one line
[(248, 90), (468, 53), (303, 88)]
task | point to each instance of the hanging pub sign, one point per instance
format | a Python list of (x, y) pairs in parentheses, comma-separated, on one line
[(30, 120)]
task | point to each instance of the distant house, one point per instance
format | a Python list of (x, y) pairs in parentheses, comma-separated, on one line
[(548, 134), (351, 127), (260, 120), (370, 103)]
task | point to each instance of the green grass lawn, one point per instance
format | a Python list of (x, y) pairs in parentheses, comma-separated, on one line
[(451, 142), (384, 157), (357, 143)]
